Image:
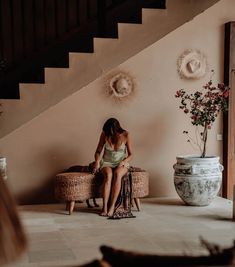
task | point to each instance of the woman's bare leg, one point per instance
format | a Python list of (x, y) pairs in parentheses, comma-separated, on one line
[(119, 172), (108, 174)]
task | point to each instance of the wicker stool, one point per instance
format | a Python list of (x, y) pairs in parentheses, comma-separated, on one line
[(80, 186)]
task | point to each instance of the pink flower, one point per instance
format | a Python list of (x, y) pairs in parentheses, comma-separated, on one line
[(226, 94), (177, 94)]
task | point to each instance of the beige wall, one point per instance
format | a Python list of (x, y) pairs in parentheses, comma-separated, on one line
[(67, 133)]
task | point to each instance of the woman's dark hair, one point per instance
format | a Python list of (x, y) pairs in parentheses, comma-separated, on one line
[(112, 128)]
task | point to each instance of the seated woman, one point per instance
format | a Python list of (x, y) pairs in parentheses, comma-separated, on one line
[(116, 143)]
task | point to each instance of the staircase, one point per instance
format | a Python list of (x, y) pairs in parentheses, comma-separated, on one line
[(83, 67), (37, 34)]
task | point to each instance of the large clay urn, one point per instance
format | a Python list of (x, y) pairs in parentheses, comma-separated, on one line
[(3, 168), (197, 180)]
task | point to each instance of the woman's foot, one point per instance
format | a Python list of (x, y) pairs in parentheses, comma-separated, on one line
[(111, 211), (104, 213)]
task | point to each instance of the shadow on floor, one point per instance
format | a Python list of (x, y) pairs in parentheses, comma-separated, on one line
[(165, 201), (214, 217), (60, 208)]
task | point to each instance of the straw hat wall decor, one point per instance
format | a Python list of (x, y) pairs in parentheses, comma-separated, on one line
[(192, 64), (120, 86)]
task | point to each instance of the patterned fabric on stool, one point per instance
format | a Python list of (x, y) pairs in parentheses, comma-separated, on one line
[(80, 186)]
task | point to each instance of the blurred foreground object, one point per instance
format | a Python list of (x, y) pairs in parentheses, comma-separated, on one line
[(217, 257), (12, 238), (112, 257)]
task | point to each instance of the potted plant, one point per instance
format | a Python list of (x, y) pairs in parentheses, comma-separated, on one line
[(198, 179)]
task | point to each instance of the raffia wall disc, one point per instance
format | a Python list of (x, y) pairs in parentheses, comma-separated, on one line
[(120, 86), (192, 64)]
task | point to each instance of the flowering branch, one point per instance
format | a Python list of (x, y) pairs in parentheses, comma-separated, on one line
[(204, 106)]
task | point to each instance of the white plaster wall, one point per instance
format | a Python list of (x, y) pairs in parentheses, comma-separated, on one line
[(68, 133)]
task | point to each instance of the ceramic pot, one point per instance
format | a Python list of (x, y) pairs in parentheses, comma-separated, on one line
[(3, 168), (197, 180)]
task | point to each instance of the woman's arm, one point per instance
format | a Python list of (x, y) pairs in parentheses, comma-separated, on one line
[(129, 148), (125, 162), (98, 151)]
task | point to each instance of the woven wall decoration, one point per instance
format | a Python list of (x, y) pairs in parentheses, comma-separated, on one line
[(120, 86), (192, 64)]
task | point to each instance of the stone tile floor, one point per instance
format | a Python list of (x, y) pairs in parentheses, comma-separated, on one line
[(163, 226)]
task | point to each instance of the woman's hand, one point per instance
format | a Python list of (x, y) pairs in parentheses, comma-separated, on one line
[(124, 163), (96, 166)]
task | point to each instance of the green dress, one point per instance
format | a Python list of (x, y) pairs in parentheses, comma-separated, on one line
[(111, 157)]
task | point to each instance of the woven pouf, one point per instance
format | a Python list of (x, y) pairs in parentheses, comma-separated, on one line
[(80, 186)]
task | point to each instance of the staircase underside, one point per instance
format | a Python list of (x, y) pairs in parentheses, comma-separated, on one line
[(38, 34), (108, 53)]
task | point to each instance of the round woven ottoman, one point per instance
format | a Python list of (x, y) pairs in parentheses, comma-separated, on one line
[(140, 186), (79, 186)]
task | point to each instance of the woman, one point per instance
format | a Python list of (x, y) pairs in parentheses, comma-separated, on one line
[(116, 143)]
